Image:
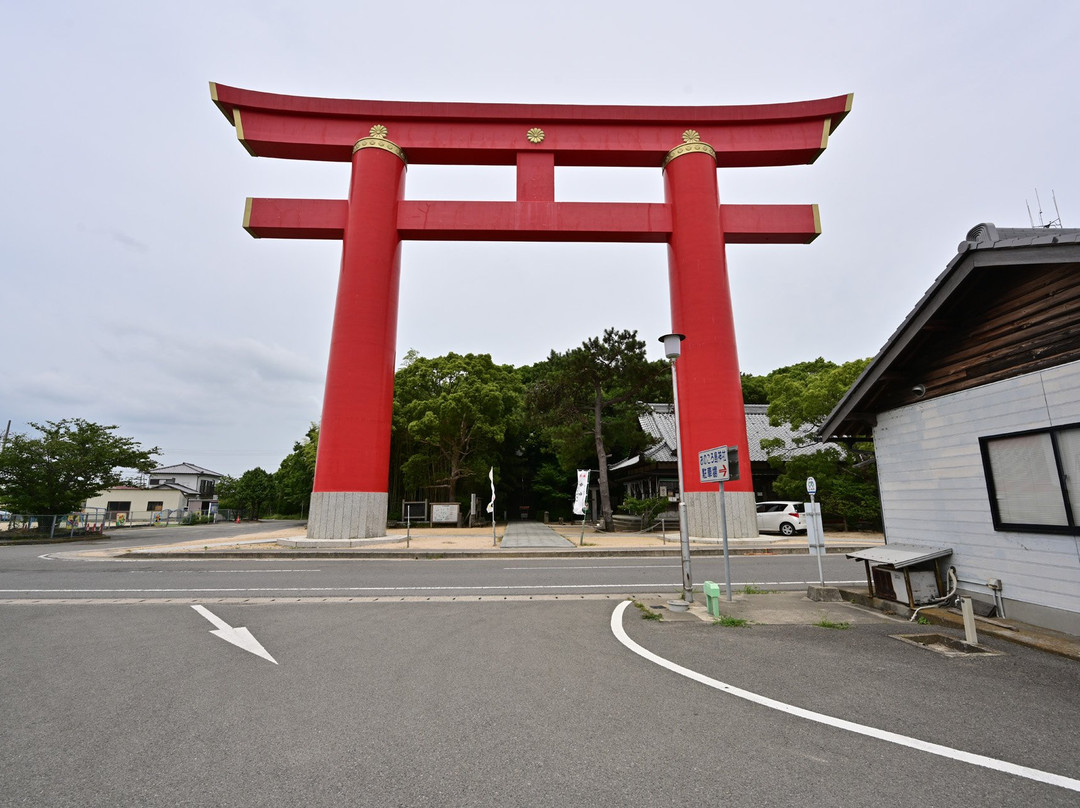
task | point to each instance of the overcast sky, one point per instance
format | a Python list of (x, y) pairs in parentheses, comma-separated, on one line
[(131, 295)]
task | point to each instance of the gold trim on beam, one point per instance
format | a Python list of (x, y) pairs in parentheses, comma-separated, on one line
[(817, 222), (240, 132), (826, 126), (380, 143), (247, 217), (694, 147)]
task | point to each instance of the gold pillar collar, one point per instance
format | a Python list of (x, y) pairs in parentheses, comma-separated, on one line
[(691, 145), (376, 139)]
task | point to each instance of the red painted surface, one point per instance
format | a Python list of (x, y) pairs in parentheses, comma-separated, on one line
[(711, 410), (300, 128), (354, 438), (536, 176), (354, 444), (533, 221)]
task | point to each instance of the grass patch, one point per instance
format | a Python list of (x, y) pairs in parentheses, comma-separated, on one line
[(646, 612), (826, 623), (751, 589), (730, 622)]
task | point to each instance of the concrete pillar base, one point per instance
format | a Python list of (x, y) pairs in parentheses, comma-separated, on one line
[(703, 514), (347, 515)]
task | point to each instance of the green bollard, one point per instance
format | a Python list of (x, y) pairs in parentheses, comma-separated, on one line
[(712, 597)]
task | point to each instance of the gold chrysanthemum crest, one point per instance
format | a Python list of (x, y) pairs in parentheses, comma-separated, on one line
[(378, 130), (535, 135), (691, 136)]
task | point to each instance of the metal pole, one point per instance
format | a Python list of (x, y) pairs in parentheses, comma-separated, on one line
[(723, 532), (684, 528), (820, 537)]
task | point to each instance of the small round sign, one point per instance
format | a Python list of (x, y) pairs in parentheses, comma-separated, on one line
[(811, 485)]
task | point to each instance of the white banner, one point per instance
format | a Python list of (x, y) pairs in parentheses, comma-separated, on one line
[(582, 491), (491, 505)]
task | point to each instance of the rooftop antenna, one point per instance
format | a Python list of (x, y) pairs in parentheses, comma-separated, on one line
[(1056, 222)]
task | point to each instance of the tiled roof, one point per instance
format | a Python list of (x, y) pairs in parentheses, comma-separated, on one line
[(185, 468), (985, 243), (183, 489), (658, 421)]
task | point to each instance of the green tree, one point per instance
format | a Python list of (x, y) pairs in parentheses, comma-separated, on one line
[(72, 460), (847, 491), (251, 493), (753, 389), (593, 394), (803, 395), (295, 477), (453, 412)]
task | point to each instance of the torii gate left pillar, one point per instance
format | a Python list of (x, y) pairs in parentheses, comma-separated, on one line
[(687, 143)]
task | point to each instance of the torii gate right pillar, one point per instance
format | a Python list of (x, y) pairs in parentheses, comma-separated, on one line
[(710, 387)]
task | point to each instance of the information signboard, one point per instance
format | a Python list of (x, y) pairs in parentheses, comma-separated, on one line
[(713, 465), (445, 512)]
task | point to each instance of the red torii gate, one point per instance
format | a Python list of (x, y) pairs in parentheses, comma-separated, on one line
[(379, 137)]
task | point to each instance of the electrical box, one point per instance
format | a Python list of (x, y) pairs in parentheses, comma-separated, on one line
[(924, 588)]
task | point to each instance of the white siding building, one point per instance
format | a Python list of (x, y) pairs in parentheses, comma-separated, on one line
[(184, 488), (974, 409)]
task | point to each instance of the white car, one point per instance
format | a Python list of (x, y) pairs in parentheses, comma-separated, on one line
[(786, 518)]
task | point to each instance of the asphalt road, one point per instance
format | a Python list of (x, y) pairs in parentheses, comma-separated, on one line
[(114, 696), (50, 572)]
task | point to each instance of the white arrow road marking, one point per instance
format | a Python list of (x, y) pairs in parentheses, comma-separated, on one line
[(240, 637), (892, 737)]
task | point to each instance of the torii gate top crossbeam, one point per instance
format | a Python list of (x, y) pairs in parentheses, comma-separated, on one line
[(305, 128)]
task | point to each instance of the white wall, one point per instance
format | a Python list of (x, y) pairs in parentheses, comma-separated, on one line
[(139, 497), (933, 488)]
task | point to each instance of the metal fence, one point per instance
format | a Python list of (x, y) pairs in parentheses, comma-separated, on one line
[(97, 520)]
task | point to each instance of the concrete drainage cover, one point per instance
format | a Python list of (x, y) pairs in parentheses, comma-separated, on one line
[(946, 646)]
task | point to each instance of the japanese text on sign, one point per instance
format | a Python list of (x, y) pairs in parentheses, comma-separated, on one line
[(713, 465)]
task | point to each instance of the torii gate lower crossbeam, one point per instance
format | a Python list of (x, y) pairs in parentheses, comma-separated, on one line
[(688, 143)]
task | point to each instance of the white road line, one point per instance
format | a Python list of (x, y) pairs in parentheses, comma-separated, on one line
[(601, 567), (626, 587), (208, 572), (902, 740)]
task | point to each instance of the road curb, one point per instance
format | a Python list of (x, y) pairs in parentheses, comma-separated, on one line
[(586, 552)]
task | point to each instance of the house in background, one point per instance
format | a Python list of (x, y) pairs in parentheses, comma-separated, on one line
[(184, 488), (132, 503), (654, 472), (198, 483), (974, 408)]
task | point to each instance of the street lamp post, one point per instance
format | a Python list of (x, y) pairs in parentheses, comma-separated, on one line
[(672, 350)]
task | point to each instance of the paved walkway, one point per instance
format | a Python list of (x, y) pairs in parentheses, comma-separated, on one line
[(532, 534)]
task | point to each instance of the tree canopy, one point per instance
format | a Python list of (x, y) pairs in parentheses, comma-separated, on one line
[(803, 395), (454, 411), (455, 416), (251, 493), (593, 394), (295, 476), (71, 461)]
